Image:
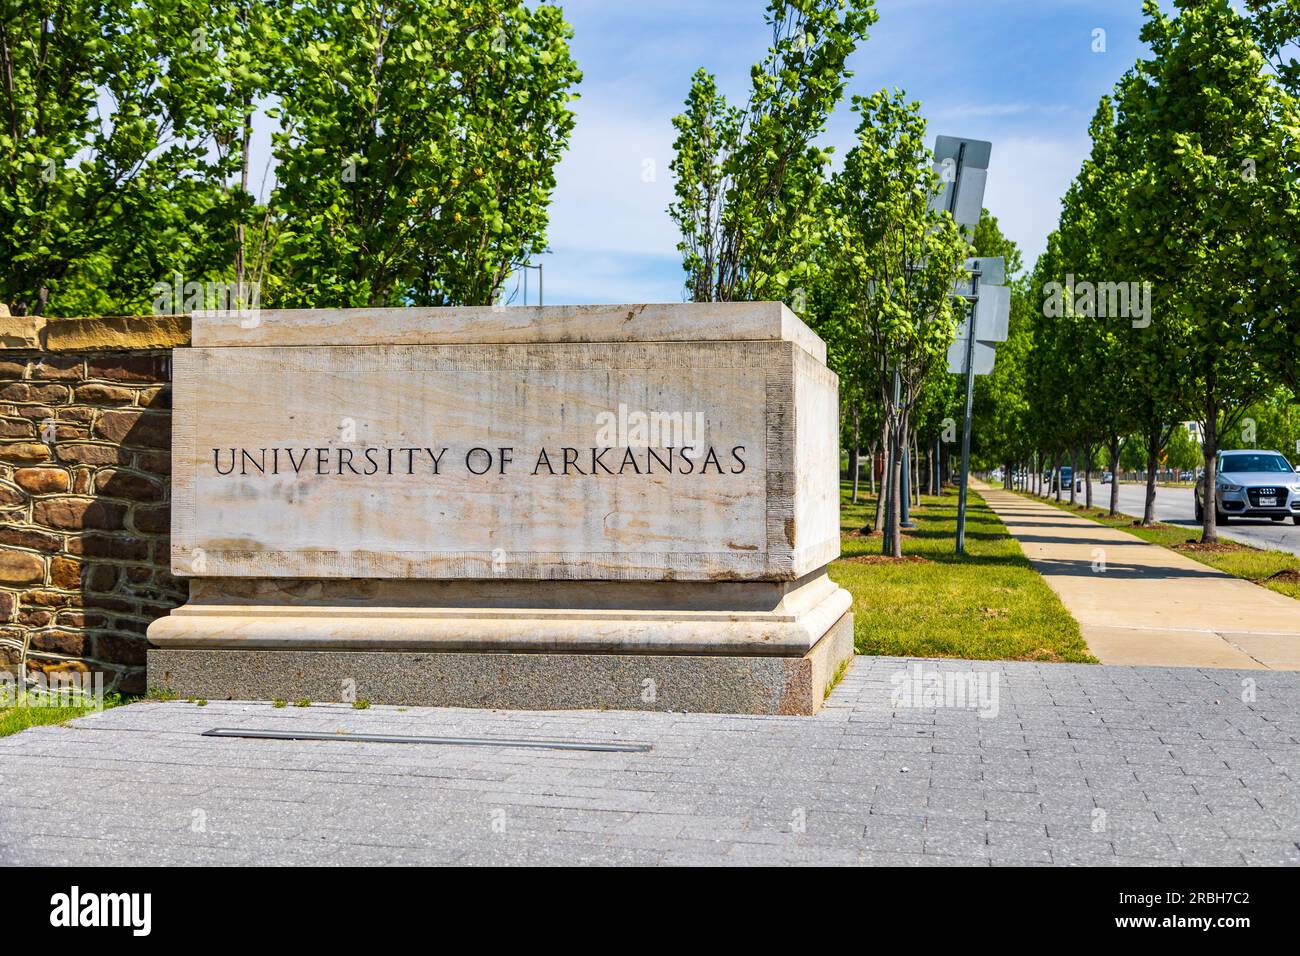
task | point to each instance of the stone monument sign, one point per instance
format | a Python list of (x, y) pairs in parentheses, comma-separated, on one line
[(574, 506)]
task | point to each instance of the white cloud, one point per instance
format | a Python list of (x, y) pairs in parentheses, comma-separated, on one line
[(614, 185)]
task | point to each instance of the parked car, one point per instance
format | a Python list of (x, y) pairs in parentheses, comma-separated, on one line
[(1251, 484), (1066, 476), (1107, 477), (1186, 476)]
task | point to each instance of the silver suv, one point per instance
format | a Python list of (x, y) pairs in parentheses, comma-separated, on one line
[(1252, 484)]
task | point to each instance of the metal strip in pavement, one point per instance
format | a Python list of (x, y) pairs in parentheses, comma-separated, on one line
[(524, 742)]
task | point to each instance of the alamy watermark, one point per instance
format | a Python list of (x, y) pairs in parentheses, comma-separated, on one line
[(1099, 300), (80, 689), (635, 428), (969, 690), (178, 297), (74, 908)]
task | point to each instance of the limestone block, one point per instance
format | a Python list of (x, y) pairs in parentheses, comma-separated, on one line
[(645, 458), (488, 325), (540, 507)]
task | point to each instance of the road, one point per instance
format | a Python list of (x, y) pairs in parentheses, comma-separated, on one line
[(1175, 506)]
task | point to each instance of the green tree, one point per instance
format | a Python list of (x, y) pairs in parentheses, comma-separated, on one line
[(987, 239), (1001, 402), (1273, 422), (1103, 391), (1275, 25), (748, 178), (935, 422), (1213, 205), (1121, 361), (1183, 453), (417, 148), (1052, 375), (832, 318), (108, 176), (895, 263)]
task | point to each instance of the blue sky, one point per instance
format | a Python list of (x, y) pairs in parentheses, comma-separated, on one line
[(1020, 73)]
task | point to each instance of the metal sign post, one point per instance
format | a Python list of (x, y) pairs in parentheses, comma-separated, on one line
[(973, 353), (963, 166), (965, 425)]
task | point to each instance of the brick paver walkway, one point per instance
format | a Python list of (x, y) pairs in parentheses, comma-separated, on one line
[(1078, 765)]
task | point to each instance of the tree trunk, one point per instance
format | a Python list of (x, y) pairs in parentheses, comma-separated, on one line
[(1087, 477), (1074, 474), (913, 472), (916, 470), (1056, 475), (1153, 455), (889, 496), (240, 253), (854, 464), (871, 467), (883, 493), (1209, 511), (897, 476), (1114, 475)]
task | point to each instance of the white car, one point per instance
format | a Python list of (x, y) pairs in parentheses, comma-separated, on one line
[(1252, 484)]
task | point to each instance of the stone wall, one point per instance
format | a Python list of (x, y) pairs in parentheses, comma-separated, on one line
[(85, 437)]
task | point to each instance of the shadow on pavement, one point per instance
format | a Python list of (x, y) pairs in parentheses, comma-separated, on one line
[(1084, 568)]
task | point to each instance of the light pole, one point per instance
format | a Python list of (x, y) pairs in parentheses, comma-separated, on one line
[(541, 298)]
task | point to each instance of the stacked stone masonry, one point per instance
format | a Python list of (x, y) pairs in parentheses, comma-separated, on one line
[(85, 438)]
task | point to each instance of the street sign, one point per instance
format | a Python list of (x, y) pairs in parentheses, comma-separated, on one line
[(993, 313), (992, 322), (983, 358), (992, 269), (963, 167)]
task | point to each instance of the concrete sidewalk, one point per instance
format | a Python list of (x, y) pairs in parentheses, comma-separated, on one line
[(1139, 603)]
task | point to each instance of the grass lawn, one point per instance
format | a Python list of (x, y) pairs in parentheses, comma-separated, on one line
[(35, 714), (1276, 570), (989, 604)]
